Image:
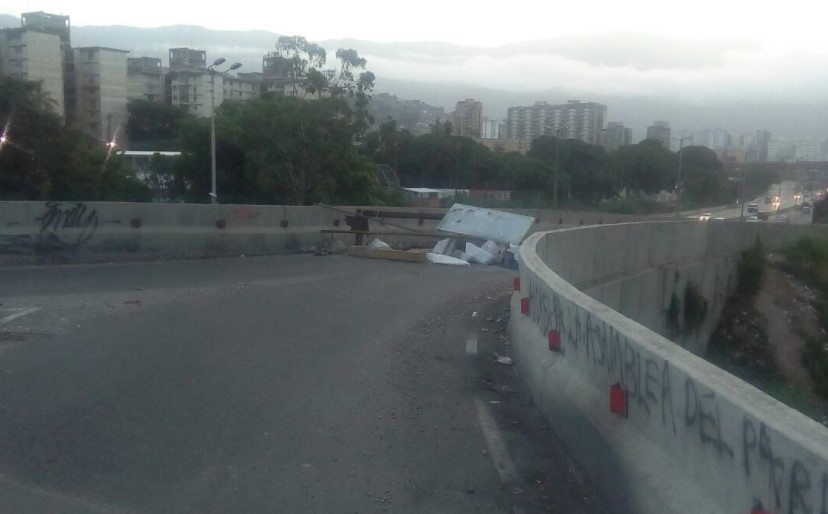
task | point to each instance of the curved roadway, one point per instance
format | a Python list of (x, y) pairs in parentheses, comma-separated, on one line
[(292, 384)]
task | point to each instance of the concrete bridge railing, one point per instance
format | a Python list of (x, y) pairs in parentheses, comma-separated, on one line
[(657, 428)]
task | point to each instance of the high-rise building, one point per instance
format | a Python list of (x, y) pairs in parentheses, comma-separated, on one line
[(716, 139), (615, 136), (27, 54), (101, 89), (572, 120), (759, 150), (145, 79), (467, 119), (491, 129), (780, 149), (660, 131)]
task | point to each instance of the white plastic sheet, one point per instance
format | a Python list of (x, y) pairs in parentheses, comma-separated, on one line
[(441, 246)]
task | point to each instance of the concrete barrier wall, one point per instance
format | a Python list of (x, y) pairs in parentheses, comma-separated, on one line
[(694, 438), (41, 232), (72, 231)]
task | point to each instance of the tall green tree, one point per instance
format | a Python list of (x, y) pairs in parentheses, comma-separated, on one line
[(42, 159), (703, 178), (154, 125), (298, 151), (646, 167)]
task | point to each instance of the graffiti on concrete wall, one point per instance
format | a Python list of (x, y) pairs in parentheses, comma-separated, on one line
[(681, 408), (245, 213), (68, 224)]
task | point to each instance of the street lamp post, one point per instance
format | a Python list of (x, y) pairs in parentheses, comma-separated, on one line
[(213, 71), (681, 141)]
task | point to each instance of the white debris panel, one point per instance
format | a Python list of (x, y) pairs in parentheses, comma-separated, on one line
[(479, 223)]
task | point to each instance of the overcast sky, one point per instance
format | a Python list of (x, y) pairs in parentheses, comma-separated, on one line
[(778, 25), (705, 52)]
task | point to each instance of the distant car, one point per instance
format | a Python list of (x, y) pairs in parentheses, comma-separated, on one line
[(783, 218), (718, 219), (806, 204), (752, 219), (705, 216), (806, 209), (762, 215)]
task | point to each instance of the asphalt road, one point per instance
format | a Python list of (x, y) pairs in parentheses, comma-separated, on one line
[(292, 384)]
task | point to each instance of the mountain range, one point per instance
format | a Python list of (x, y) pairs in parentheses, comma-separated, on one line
[(735, 85)]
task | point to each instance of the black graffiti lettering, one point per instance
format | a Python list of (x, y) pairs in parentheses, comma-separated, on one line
[(588, 336), (690, 399), (775, 465), (650, 379), (60, 216), (601, 332), (575, 333), (667, 397), (800, 484), (630, 374), (558, 311), (748, 443), (614, 359), (710, 420)]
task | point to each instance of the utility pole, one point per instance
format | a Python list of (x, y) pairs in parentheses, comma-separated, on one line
[(681, 141)]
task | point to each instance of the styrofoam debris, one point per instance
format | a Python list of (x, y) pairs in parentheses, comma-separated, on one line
[(436, 258)]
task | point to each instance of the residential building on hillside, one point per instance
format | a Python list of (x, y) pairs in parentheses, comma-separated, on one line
[(146, 79), (660, 131), (27, 54), (572, 120), (615, 136), (101, 89), (187, 59), (192, 91), (240, 88), (467, 119), (491, 129)]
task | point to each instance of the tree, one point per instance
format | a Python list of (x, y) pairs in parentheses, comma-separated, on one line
[(703, 177), (585, 167), (41, 159), (646, 167), (154, 125), (298, 151)]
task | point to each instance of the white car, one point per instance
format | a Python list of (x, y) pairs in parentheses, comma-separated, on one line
[(752, 219), (705, 216), (783, 218)]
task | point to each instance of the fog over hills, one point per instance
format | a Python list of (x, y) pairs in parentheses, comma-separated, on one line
[(694, 85)]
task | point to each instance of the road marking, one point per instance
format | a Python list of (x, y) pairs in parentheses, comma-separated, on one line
[(24, 311), (471, 347), (497, 448)]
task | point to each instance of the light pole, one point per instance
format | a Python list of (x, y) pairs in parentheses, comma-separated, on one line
[(681, 141), (213, 71)]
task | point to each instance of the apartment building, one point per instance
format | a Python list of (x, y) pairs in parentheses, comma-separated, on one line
[(716, 139), (58, 25), (491, 129), (660, 131), (572, 120), (187, 59), (467, 118), (27, 54), (615, 136), (146, 79), (193, 91), (101, 91), (241, 87)]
